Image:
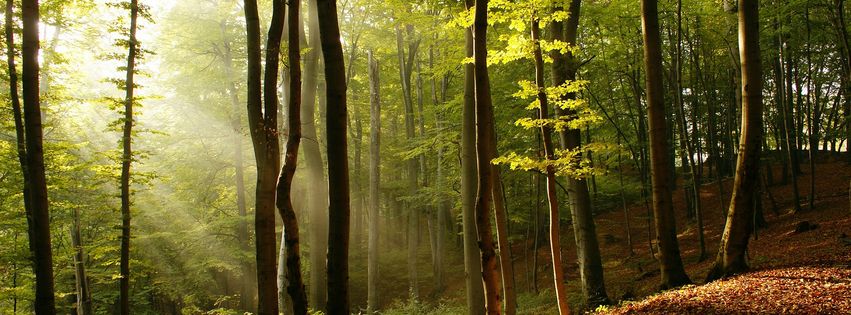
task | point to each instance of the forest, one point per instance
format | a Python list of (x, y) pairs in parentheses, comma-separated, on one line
[(268, 157)]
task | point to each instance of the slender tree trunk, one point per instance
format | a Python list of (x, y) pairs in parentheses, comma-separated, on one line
[(587, 246), (38, 218), (440, 209), (338, 168), (673, 273), (295, 287), (374, 182), (789, 128), (812, 130), (469, 184), (687, 147), (262, 106), (247, 295), (20, 142), (845, 54), (318, 189), (126, 159), (484, 155), (84, 296), (552, 198), (731, 257), (405, 70), (537, 241), (623, 202)]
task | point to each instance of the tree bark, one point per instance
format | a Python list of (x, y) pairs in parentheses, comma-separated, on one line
[(84, 296), (38, 219), (126, 159), (247, 294), (441, 209), (549, 154), (318, 189), (374, 182), (338, 168), (672, 271), (731, 257), (406, 65), (262, 105), (564, 70), (484, 155), (469, 184), (295, 284)]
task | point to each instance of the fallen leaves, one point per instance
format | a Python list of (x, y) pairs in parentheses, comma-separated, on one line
[(792, 290)]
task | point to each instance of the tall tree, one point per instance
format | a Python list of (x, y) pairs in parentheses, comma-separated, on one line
[(469, 183), (338, 168), (318, 189), (31, 153), (564, 69), (673, 273), (406, 66), (484, 154), (731, 257), (549, 155), (126, 159), (262, 104), (247, 294), (295, 287), (374, 181)]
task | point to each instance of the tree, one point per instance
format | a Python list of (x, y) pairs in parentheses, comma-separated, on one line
[(484, 154), (673, 273), (32, 166), (284, 202), (262, 107), (406, 65), (564, 70), (731, 257), (126, 159), (469, 182), (318, 189), (549, 154), (374, 180), (338, 169)]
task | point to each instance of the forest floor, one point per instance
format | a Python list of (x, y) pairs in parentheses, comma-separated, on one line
[(805, 272), (800, 272)]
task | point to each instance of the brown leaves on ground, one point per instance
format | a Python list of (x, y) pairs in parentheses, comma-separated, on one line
[(808, 272), (794, 290)]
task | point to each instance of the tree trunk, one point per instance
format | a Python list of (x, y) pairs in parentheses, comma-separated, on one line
[(672, 272), (731, 257), (318, 189), (295, 284), (789, 128), (338, 168), (440, 209), (31, 155), (484, 154), (845, 54), (685, 146), (247, 294), (84, 296), (552, 198), (374, 182), (262, 106), (469, 170), (126, 159), (623, 202), (587, 246), (406, 65)]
